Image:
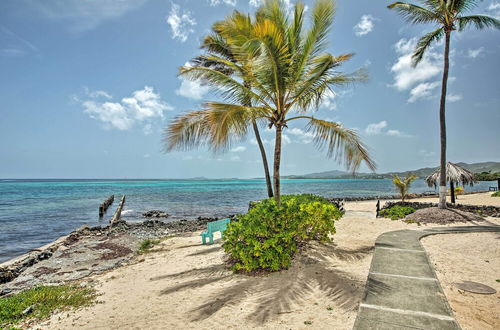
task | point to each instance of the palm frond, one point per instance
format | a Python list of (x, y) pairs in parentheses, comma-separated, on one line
[(341, 143), (424, 43), (478, 21), (414, 14), (187, 131)]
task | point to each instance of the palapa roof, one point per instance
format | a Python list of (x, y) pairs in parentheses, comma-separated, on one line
[(454, 173)]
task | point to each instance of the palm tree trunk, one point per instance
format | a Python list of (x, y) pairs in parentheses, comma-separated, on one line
[(442, 123), (277, 160), (264, 159)]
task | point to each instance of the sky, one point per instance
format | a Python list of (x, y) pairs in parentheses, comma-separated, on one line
[(87, 88)]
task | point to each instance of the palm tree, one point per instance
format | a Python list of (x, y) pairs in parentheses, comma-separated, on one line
[(289, 74), (217, 45), (403, 184), (447, 15)]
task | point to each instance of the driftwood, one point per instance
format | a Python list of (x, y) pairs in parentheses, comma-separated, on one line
[(118, 213), (104, 206)]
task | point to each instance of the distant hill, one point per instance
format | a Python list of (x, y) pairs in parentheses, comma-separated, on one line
[(421, 172)]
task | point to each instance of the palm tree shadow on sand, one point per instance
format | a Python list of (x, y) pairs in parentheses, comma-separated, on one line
[(280, 292)]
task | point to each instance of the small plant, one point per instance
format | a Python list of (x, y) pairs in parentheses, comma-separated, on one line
[(146, 245), (308, 322), (41, 301), (397, 212), (496, 194), (268, 236), (459, 191), (329, 308), (403, 184)]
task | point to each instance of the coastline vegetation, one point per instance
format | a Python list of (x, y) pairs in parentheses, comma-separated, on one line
[(487, 176), (397, 212), (268, 236), (403, 184), (496, 194), (40, 302)]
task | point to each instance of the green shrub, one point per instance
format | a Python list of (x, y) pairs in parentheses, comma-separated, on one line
[(42, 301), (146, 245), (397, 212), (496, 194), (267, 237)]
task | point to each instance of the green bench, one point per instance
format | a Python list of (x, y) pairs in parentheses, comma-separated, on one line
[(212, 227)]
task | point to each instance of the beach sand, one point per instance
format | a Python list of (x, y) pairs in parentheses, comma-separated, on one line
[(182, 284), (468, 257)]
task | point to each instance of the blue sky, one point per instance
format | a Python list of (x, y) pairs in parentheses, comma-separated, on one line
[(86, 88)]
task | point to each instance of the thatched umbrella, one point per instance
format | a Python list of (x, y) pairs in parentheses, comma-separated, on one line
[(454, 175)]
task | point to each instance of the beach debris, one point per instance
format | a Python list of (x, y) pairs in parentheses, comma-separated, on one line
[(475, 287), (118, 213), (155, 214), (104, 205), (28, 310)]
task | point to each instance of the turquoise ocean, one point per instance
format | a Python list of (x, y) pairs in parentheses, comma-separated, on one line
[(35, 212)]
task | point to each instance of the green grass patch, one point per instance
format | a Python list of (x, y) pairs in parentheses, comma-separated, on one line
[(397, 212), (147, 245), (41, 301), (496, 194)]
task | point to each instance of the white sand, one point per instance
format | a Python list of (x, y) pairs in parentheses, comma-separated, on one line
[(185, 285), (468, 257)]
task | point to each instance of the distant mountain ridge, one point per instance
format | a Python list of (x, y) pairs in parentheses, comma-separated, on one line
[(421, 172)]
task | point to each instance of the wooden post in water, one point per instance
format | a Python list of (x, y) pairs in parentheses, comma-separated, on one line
[(118, 212), (104, 205)]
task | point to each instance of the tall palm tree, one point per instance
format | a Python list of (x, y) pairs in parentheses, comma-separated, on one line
[(448, 16), (217, 45), (289, 73)]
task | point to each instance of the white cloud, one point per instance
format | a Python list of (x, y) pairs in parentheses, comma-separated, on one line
[(255, 3), (15, 45), (453, 97), (191, 89), (239, 149), (364, 26), (473, 53), (494, 9), (423, 91), (235, 158), (181, 24), (405, 75), (85, 15), (285, 139), (329, 101), (375, 128), (303, 136), (380, 128), (218, 2), (144, 105), (287, 3)]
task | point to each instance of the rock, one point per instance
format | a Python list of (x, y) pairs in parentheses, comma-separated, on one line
[(28, 310), (5, 292), (155, 214)]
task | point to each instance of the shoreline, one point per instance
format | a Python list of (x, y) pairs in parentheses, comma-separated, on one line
[(180, 223)]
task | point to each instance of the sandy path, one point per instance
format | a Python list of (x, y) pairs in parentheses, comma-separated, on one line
[(184, 285), (468, 257)]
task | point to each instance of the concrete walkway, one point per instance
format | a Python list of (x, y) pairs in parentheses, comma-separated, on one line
[(402, 291)]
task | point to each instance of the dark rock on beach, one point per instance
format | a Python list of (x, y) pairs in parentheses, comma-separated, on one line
[(155, 214)]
